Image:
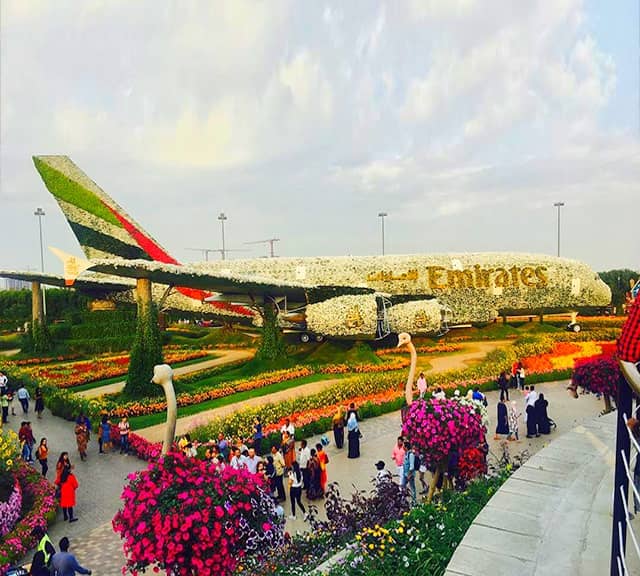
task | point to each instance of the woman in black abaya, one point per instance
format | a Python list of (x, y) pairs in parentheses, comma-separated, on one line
[(541, 415)]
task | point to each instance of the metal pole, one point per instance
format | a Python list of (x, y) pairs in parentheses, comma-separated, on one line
[(382, 215), (222, 218), (558, 205), (40, 213), (623, 444), (223, 250)]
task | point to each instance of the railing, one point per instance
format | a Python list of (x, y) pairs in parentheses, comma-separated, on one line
[(626, 444)]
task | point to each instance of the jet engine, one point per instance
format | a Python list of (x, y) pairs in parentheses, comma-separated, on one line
[(416, 317), (350, 316)]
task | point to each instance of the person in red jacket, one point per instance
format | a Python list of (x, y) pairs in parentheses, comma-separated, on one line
[(68, 487)]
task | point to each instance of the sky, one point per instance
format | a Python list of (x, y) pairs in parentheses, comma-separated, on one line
[(464, 120)]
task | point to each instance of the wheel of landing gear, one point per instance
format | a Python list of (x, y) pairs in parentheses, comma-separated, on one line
[(304, 338), (574, 327), (319, 338)]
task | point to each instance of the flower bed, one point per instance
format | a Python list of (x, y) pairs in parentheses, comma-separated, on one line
[(220, 390), (188, 517), (10, 510), (423, 541), (73, 374), (37, 491), (435, 349)]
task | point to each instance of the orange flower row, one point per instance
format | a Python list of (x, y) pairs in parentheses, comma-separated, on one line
[(437, 348)]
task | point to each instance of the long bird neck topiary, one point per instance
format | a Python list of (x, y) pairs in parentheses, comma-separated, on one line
[(404, 339), (163, 375)]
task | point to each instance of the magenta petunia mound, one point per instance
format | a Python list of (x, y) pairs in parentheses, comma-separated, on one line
[(597, 374), (436, 427), (185, 516)]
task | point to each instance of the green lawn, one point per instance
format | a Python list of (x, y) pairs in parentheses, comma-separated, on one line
[(138, 422)]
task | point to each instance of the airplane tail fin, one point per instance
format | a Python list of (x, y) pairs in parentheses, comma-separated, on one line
[(103, 229)]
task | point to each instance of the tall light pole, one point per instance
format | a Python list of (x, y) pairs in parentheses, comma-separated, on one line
[(40, 213), (222, 218), (382, 216), (558, 205)]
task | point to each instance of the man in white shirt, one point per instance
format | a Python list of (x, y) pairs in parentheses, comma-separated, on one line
[(304, 455), (251, 461), (236, 460), (23, 397), (3, 383), (289, 428)]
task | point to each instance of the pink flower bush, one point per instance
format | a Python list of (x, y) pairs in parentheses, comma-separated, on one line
[(41, 495), (434, 427), (188, 517), (598, 374), (10, 510)]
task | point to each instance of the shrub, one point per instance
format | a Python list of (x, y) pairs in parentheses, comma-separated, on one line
[(190, 518), (145, 354)]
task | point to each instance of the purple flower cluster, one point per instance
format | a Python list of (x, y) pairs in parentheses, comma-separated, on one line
[(41, 493), (10, 510)]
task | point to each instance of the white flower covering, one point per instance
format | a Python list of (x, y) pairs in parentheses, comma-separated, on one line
[(344, 316), (475, 286), (417, 317)]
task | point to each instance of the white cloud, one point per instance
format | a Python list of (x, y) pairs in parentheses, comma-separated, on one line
[(309, 89)]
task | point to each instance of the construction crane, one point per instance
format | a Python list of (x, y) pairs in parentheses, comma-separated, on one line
[(270, 241), (222, 251)]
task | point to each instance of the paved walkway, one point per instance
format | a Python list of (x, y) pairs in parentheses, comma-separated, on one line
[(102, 477), (226, 357), (553, 516)]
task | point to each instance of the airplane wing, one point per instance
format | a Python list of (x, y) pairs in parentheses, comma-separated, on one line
[(92, 282), (226, 284)]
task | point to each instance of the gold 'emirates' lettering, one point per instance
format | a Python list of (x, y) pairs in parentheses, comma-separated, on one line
[(441, 278), (434, 274)]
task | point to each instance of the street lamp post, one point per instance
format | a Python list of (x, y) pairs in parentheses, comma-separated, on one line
[(558, 205), (40, 213), (382, 216), (222, 218)]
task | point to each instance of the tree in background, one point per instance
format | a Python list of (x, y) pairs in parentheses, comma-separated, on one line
[(618, 281)]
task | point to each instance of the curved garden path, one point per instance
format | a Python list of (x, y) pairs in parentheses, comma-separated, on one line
[(472, 352), (226, 356), (457, 360)]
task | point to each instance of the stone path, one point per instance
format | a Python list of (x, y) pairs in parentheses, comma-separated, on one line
[(553, 516), (101, 478), (471, 353), (9, 352), (226, 357)]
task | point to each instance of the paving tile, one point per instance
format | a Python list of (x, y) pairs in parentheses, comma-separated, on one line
[(469, 561), (497, 541)]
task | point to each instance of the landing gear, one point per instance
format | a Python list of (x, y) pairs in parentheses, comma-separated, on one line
[(305, 337), (574, 327)]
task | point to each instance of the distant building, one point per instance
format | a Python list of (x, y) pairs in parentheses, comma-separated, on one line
[(11, 284)]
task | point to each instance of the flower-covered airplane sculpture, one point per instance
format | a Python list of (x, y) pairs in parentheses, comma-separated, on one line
[(342, 297)]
